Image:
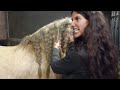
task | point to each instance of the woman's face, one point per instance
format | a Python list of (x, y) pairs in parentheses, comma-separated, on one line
[(79, 24)]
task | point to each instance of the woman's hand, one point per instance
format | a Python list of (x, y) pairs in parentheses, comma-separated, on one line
[(57, 45)]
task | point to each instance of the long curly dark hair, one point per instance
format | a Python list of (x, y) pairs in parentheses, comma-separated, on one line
[(100, 47)]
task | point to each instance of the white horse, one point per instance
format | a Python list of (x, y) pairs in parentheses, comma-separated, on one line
[(31, 58)]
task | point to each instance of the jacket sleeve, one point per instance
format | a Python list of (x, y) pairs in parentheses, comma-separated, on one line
[(67, 64)]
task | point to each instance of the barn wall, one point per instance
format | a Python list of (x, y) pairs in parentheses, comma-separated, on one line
[(3, 34), (3, 28), (22, 23)]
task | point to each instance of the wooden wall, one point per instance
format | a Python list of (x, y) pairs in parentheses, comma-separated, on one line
[(3, 26)]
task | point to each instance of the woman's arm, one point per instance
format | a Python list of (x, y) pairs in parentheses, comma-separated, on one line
[(67, 64)]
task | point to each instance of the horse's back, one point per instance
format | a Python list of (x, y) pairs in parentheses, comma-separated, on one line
[(17, 62)]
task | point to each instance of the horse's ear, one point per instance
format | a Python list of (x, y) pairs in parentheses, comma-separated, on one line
[(69, 20)]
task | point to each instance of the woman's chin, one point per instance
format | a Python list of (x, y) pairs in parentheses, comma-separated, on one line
[(76, 35)]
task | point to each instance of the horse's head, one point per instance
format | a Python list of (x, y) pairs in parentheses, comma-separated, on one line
[(63, 30)]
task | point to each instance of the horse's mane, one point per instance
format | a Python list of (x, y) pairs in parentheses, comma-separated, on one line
[(47, 31), (31, 57), (44, 38)]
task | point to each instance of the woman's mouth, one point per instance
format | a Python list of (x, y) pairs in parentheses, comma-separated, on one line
[(75, 30)]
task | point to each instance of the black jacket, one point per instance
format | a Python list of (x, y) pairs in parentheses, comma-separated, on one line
[(73, 66)]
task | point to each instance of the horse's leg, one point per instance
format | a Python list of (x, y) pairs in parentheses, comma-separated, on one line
[(44, 67)]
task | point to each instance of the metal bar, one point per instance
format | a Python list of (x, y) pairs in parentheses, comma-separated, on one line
[(7, 20), (119, 31)]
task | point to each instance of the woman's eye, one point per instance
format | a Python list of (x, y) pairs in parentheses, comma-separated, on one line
[(77, 18)]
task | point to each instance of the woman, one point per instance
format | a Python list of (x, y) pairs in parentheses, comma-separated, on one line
[(92, 53)]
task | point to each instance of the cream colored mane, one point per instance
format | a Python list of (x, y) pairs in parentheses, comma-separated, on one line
[(42, 43), (33, 54)]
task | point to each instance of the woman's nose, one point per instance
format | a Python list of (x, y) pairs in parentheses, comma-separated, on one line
[(73, 24)]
